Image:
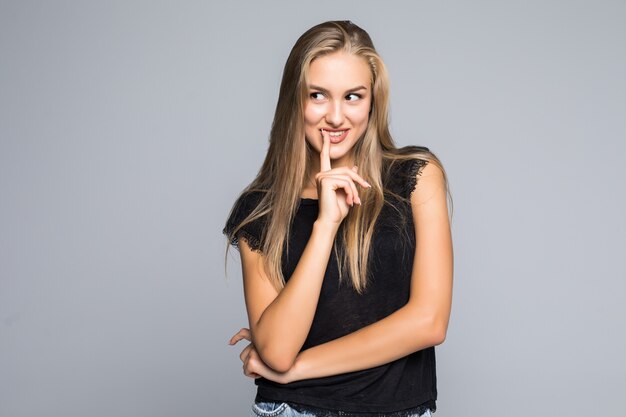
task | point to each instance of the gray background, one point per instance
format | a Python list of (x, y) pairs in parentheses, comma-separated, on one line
[(128, 129)]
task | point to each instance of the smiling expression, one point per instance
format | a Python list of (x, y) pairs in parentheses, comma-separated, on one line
[(338, 100)]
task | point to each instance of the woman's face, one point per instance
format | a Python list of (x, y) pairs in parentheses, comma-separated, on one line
[(338, 100)]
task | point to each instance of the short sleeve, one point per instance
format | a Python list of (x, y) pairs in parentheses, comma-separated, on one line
[(251, 232), (413, 171), (403, 176)]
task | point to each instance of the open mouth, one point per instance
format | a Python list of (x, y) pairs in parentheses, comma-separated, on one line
[(338, 136)]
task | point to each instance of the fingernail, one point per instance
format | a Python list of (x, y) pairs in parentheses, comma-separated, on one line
[(356, 168), (368, 184)]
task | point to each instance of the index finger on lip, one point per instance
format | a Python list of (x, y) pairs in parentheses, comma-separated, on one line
[(325, 153)]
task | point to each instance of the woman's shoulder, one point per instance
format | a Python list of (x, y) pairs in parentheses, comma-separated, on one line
[(412, 150), (239, 222), (405, 167), (249, 199)]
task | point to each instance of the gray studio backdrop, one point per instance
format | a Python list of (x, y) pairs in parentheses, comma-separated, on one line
[(128, 128)]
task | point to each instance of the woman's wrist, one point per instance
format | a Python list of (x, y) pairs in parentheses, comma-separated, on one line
[(325, 228), (296, 372)]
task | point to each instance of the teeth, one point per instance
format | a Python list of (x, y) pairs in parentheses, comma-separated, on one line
[(336, 134)]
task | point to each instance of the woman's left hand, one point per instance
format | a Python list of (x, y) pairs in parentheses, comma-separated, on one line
[(253, 365)]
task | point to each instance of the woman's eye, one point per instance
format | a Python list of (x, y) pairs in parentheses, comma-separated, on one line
[(316, 96), (355, 97)]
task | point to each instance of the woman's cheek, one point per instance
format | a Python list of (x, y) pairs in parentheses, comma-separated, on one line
[(314, 115), (313, 137), (358, 115), (313, 119)]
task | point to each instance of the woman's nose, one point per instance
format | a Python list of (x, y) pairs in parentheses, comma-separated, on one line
[(334, 115)]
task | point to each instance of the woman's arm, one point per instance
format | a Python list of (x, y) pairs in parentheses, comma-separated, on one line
[(280, 321), (421, 323)]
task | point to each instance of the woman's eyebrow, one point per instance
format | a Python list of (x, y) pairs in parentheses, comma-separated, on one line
[(322, 89)]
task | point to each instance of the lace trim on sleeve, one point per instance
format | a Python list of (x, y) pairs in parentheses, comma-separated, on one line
[(414, 170), (251, 232), (252, 241)]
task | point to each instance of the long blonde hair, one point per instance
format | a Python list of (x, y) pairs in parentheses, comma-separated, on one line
[(284, 171)]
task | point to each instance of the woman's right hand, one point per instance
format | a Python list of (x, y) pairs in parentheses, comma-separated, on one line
[(336, 187)]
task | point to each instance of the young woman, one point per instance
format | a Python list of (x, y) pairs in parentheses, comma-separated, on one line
[(345, 244)]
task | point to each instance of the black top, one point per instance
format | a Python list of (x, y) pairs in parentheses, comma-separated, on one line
[(404, 385)]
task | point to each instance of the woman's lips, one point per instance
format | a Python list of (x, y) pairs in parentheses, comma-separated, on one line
[(337, 139)]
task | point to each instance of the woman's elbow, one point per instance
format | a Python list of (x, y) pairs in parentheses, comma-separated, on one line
[(276, 359), (438, 335), (434, 332)]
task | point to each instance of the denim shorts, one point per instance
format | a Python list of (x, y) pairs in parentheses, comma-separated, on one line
[(280, 409)]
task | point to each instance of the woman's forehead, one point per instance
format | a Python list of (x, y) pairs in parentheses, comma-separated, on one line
[(338, 70)]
